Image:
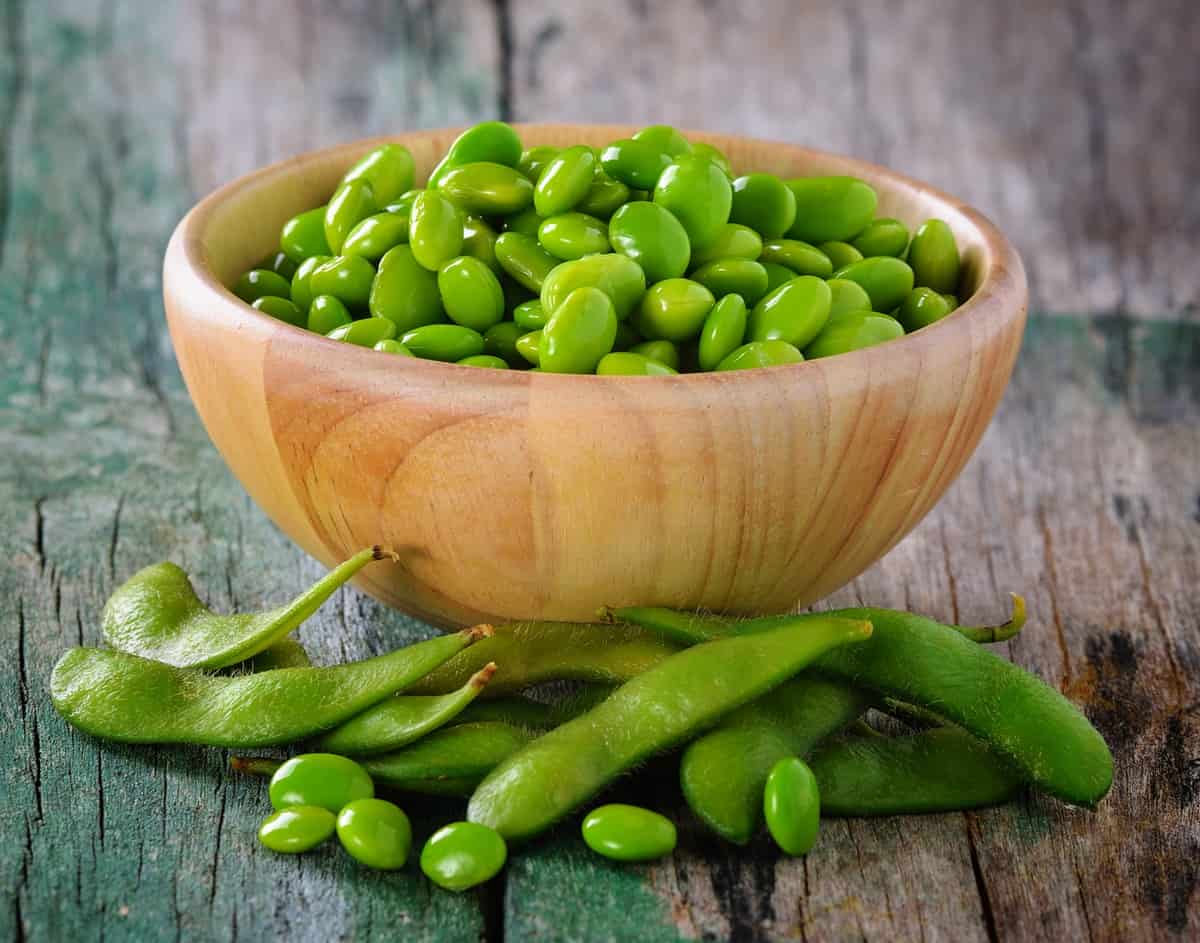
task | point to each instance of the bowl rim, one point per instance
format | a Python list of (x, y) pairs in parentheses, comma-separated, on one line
[(1002, 291)]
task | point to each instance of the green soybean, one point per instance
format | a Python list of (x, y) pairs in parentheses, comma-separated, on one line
[(483, 360), (524, 259), (800, 257), (388, 169), (471, 294), (653, 238), (665, 138), (435, 230), (674, 310), (887, 281), (118, 696), (373, 236), (699, 194), (761, 354), (628, 833), (375, 833), (733, 241), (922, 307), (795, 312), (534, 160), (830, 209), (463, 854), (391, 346), (479, 242), (525, 222), (604, 197), (487, 188), (626, 363), (664, 352), (402, 205), (529, 346), (713, 153), (792, 806), (325, 313), (281, 265), (840, 254), (530, 315), (733, 276), (882, 236), (764, 203), (573, 235), (616, 275), (500, 340), (565, 180), (303, 236), (943, 769), (261, 283), (296, 829), (777, 274), (655, 710), (350, 204), (724, 330), (366, 332), (934, 258), (301, 287), (846, 295), (447, 342), (347, 277), (580, 331), (627, 336), (853, 330), (637, 164), (282, 309), (324, 780), (405, 292), (156, 614), (492, 141)]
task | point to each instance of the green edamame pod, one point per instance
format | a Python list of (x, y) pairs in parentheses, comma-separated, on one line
[(446, 342), (286, 653), (326, 313), (435, 230), (840, 254), (573, 235), (565, 180), (845, 296), (347, 277), (674, 310), (755, 354), (487, 188), (471, 294), (398, 721), (492, 141), (795, 312), (156, 614), (635, 163), (853, 330), (580, 331), (922, 307), (523, 258), (886, 280), (764, 203), (616, 275), (724, 772), (800, 257), (303, 236), (261, 283), (628, 364), (733, 241), (282, 309), (663, 351), (943, 769), (301, 289), (388, 169), (933, 256), (733, 276), (699, 194), (646, 715), (373, 236), (464, 753), (724, 329), (792, 806), (117, 696), (883, 236), (405, 292), (653, 238), (351, 203), (365, 332), (830, 209)]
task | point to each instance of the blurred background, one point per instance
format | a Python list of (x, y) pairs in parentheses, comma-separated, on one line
[(1074, 124)]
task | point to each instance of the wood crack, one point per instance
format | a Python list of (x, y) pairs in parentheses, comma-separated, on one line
[(985, 898), (1052, 587)]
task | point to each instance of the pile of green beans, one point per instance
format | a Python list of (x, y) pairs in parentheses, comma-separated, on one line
[(764, 718), (646, 257)]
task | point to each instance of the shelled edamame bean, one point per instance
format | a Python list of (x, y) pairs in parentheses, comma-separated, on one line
[(664, 227)]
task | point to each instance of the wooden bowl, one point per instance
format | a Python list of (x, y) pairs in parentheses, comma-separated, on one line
[(530, 495)]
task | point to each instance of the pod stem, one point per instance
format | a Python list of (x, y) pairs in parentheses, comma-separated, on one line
[(997, 633), (481, 677), (254, 765)]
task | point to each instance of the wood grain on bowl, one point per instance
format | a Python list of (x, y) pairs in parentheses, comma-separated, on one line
[(519, 495)]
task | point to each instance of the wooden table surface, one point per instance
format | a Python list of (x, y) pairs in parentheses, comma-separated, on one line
[(1076, 126)]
